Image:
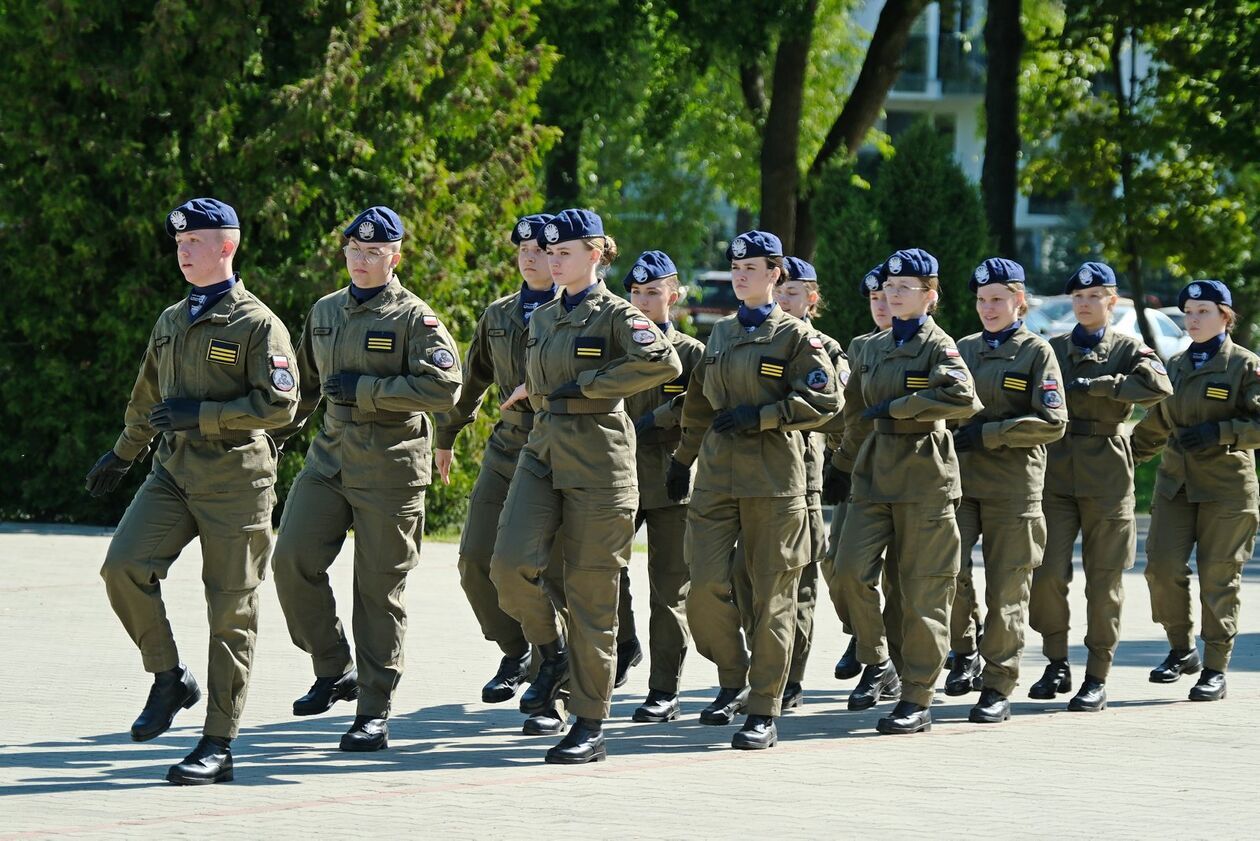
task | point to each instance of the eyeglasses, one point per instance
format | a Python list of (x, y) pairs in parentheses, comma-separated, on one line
[(367, 255), (899, 289)]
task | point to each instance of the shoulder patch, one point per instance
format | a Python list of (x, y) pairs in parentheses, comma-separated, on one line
[(282, 379), (1158, 368), (1051, 399), (844, 377), (643, 337), (279, 362), (442, 358), (952, 352), (1145, 351), (640, 324), (815, 341), (817, 379), (958, 374), (430, 320)]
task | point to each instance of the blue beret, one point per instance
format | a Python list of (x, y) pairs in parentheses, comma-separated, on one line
[(754, 244), (911, 262), (201, 215), (996, 270), (376, 224), (651, 265), (873, 281), (572, 224), (1205, 290), (530, 227), (1088, 276), (798, 269)]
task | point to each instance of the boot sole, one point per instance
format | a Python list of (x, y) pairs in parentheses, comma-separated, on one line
[(535, 731), (358, 747), (648, 718), (1074, 707), (351, 695), (561, 759), (847, 674), (222, 777), (1220, 697), (741, 744), (188, 704), (957, 689), (988, 719), (716, 721), (498, 696), (1042, 695), (889, 731)]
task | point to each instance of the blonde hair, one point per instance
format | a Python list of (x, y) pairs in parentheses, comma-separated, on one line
[(607, 247), (1231, 317), (933, 283)]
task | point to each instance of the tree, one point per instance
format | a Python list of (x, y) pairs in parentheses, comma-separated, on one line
[(1004, 45), (299, 114)]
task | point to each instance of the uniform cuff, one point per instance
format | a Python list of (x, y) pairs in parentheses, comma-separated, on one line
[(208, 417), (444, 439), (126, 449), (1228, 435), (363, 394), (991, 435), (586, 378), (903, 404), (769, 417)]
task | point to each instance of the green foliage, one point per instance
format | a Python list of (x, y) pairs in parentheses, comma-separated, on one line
[(920, 199), (299, 114)]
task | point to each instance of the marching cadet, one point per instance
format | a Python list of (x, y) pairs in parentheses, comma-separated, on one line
[(798, 296), (1205, 493), (497, 356), (911, 379), (379, 358), (838, 480), (1089, 486), (1002, 457), (764, 376), (216, 375), (654, 290), (576, 479)]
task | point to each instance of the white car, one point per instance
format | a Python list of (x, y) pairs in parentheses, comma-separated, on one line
[(1054, 317)]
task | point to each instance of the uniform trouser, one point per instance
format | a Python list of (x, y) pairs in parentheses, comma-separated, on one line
[(668, 582), (476, 548), (596, 529), (235, 532), (964, 616), (892, 595), (1223, 535), (806, 589), (1014, 539), (925, 545), (775, 536), (388, 526), (1109, 542)]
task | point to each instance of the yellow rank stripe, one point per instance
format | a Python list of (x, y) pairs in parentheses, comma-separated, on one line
[(1218, 393), (380, 344), (669, 388), (1015, 383), (589, 351), (771, 370), (917, 382), (225, 353)]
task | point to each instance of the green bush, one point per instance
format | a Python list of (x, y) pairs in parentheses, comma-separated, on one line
[(299, 113)]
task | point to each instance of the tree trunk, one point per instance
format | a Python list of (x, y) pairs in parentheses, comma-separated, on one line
[(862, 108), (781, 135), (1004, 44), (1124, 112), (561, 181)]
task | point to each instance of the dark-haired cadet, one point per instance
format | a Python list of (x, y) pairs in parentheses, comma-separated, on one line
[(1206, 496)]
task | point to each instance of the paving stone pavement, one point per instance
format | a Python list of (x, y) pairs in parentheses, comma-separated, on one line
[(1153, 765)]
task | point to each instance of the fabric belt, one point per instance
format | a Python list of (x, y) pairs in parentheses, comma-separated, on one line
[(521, 420), (1107, 430), (583, 406), (352, 414), (661, 436), (892, 426), (236, 436)]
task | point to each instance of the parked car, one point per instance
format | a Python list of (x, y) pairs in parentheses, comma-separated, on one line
[(1054, 317), (1178, 317), (710, 297)]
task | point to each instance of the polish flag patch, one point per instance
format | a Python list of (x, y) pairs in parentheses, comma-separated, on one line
[(815, 342), (640, 324), (430, 321), (279, 362), (1049, 384), (952, 352)]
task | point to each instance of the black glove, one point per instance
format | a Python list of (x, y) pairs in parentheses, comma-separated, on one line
[(879, 410), (341, 387), (677, 481), (1079, 384), (739, 419), (566, 391), (969, 437), (175, 413), (1200, 436), (106, 474), (836, 486), (645, 424)]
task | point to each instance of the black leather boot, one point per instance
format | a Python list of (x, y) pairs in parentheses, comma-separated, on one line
[(848, 667), (172, 690), (553, 676), (368, 733), (793, 695), (992, 708), (327, 691), (1090, 698), (758, 733), (585, 743), (512, 674), (879, 683), (209, 762), (728, 704), (659, 706), (906, 718), (964, 674), (1056, 679), (1178, 662), (545, 723), (1211, 686), (629, 655)]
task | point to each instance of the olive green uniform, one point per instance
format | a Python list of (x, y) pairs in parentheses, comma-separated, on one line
[(845, 445), (905, 488), (666, 523), (213, 482), (1089, 489), (576, 480), (496, 356), (1022, 391), (367, 469), (1205, 500), (751, 487)]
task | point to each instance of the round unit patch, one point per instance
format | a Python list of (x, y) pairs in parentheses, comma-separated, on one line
[(817, 379), (961, 376), (643, 337), (1052, 399), (1159, 367), (523, 230), (442, 358), (282, 379)]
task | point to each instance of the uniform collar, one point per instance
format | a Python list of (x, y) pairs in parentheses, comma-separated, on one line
[(221, 312), (754, 317), (592, 299), (914, 344), (377, 302), (1100, 352), (1218, 363), (905, 331)]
